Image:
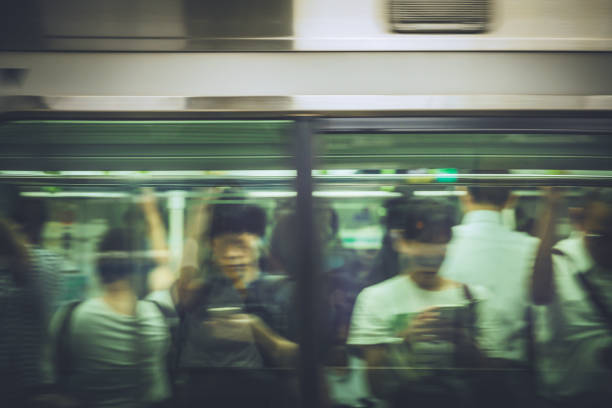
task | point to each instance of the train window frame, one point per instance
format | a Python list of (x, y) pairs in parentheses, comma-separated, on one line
[(306, 134)]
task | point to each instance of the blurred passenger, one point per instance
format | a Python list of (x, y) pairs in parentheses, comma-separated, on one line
[(483, 251), (167, 299), (223, 347), (31, 215), (574, 280), (273, 296), (22, 320), (419, 322), (149, 231), (109, 351), (386, 264), (345, 274)]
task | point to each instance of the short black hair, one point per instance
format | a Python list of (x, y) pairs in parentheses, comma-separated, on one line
[(116, 257), (422, 219), (31, 214), (236, 219), (489, 195)]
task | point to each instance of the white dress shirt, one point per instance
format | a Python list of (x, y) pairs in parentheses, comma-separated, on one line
[(485, 252)]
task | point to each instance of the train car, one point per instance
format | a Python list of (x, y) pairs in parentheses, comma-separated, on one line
[(323, 114)]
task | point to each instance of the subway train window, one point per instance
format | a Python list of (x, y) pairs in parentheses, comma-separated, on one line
[(145, 247), (445, 291), (231, 263), (464, 268)]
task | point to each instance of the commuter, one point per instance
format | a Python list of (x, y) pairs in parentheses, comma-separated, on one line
[(223, 346), (30, 215), (485, 252), (386, 264), (573, 279), (272, 297), (167, 299), (22, 320), (345, 273), (419, 322), (109, 351), (30, 297), (144, 219)]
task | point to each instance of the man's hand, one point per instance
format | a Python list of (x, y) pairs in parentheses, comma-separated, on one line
[(426, 327), (199, 215)]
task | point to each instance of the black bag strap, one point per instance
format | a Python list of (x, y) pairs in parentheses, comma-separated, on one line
[(467, 293), (530, 347), (595, 298), (592, 292), (471, 307), (159, 306), (64, 365)]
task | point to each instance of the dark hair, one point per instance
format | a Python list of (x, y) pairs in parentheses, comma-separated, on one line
[(116, 258), (602, 195), (322, 206), (236, 219), (31, 215), (423, 220), (283, 243), (489, 195), (15, 251)]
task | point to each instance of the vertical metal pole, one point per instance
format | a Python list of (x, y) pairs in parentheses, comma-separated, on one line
[(176, 222), (307, 266)]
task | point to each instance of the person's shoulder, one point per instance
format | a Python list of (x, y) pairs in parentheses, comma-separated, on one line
[(572, 253), (91, 306), (160, 296), (162, 301), (151, 308), (568, 246), (385, 288), (494, 231), (523, 237), (479, 292), (87, 315)]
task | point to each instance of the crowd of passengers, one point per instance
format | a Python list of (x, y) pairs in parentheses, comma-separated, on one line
[(462, 314)]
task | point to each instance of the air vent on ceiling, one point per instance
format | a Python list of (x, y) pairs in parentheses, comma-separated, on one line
[(439, 15)]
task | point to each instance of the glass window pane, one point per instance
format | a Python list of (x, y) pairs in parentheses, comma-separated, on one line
[(150, 249), (437, 253)]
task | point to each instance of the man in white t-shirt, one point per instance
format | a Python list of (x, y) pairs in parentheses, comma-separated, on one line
[(419, 322), (575, 284)]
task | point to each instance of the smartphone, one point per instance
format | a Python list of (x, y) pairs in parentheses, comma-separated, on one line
[(400, 322), (452, 315), (218, 312)]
